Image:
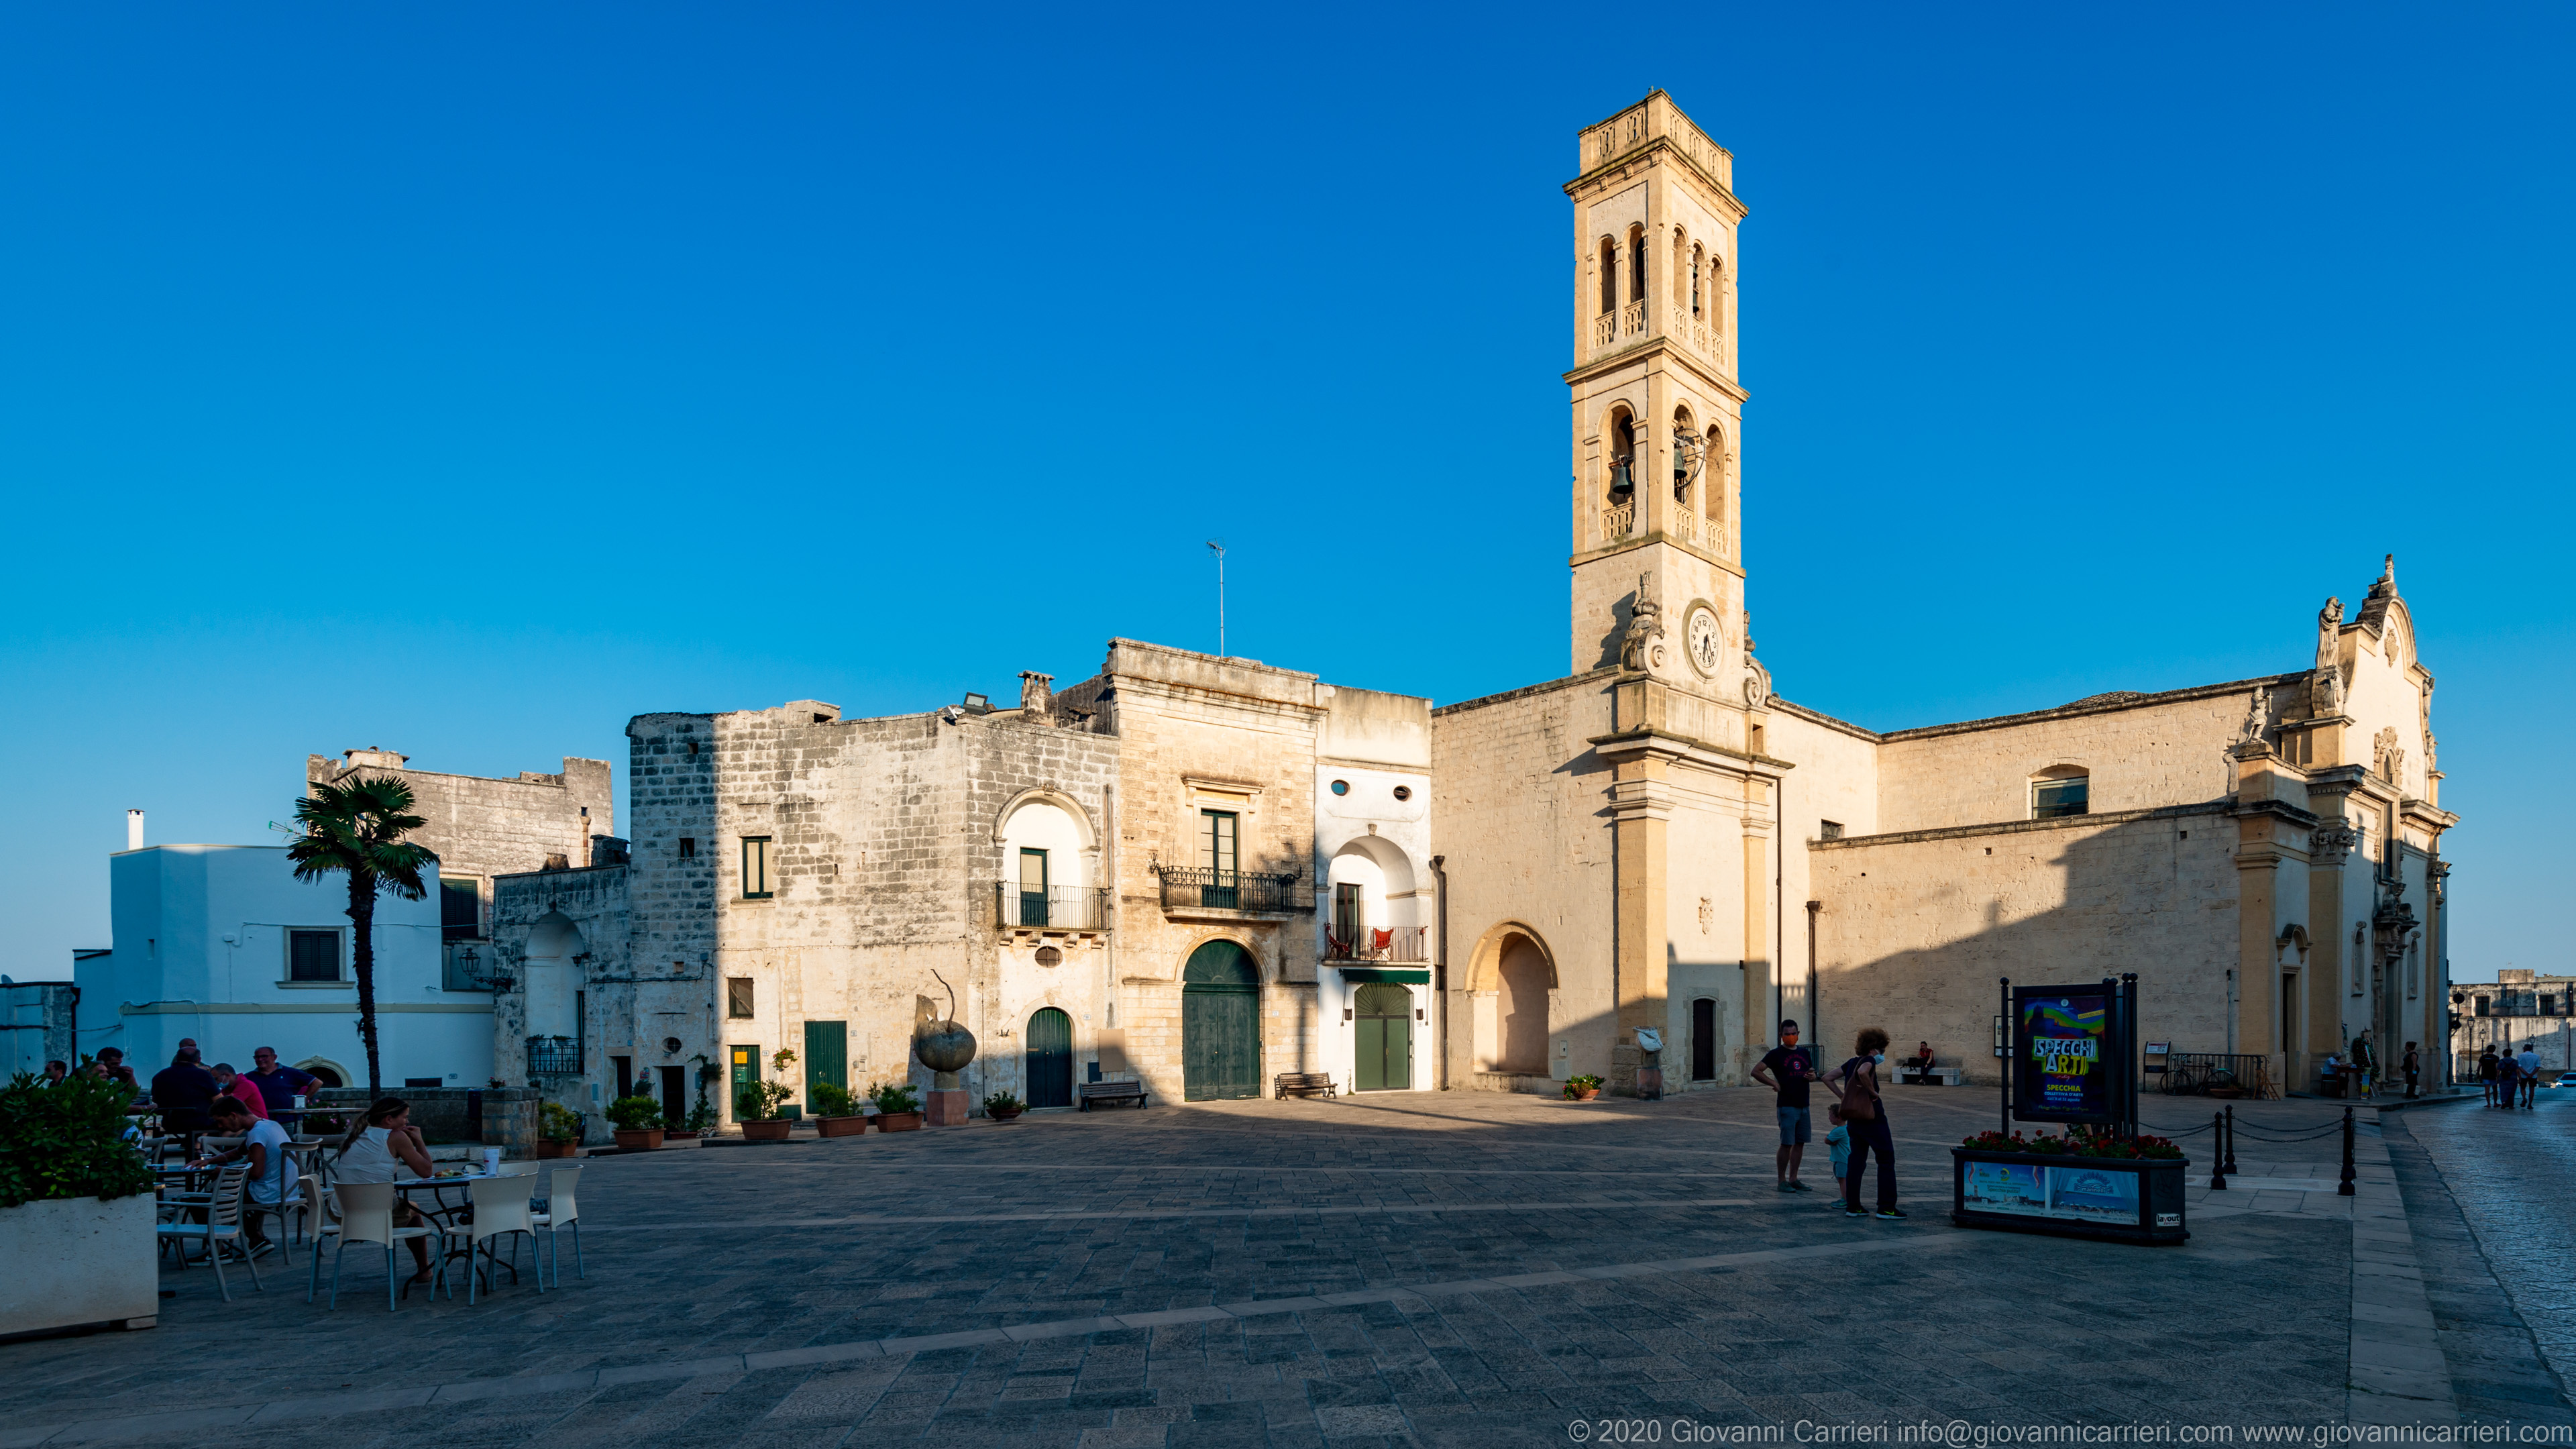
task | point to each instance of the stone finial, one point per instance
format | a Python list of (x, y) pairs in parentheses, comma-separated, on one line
[(1645, 625), (2257, 714)]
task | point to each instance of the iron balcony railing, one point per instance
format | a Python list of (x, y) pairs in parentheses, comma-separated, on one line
[(1400, 943), (1059, 908), (554, 1056), (1190, 888)]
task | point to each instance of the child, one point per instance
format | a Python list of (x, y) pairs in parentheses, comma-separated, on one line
[(1839, 1142)]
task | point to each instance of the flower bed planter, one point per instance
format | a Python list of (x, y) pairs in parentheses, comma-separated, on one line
[(768, 1129), (898, 1121), (550, 1148), (647, 1140), (1002, 1114), (1584, 1094), (679, 1136), (2116, 1199), (77, 1260), (841, 1126)]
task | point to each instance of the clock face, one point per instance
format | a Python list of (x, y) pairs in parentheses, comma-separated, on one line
[(1705, 640)]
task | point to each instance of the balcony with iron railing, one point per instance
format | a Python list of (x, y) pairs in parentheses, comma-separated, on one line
[(1057, 908), (1192, 889), (1397, 943), (554, 1056)]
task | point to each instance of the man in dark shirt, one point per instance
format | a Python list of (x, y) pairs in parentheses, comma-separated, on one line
[(185, 1092), (1787, 1069), (278, 1086)]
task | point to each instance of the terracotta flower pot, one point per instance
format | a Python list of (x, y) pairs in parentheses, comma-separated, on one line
[(646, 1139), (898, 1121), (547, 1147), (1002, 1114), (841, 1126), (677, 1134), (1585, 1095), (772, 1129)]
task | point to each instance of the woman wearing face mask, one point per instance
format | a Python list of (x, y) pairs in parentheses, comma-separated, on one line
[(1865, 1113)]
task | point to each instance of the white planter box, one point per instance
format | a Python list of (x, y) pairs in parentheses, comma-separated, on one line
[(77, 1260)]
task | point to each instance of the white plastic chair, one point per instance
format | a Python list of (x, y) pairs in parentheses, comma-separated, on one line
[(500, 1209), (562, 1211), (367, 1216), (521, 1169), (281, 1171), (220, 1230)]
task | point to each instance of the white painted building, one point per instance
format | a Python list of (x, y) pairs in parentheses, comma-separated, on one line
[(222, 943), (1375, 920)]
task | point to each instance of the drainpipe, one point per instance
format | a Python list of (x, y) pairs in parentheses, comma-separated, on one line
[(1440, 975), (1815, 1012)]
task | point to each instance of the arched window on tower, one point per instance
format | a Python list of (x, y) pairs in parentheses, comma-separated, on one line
[(1637, 264), (1698, 270), (1623, 459), (1683, 280), (1609, 276), (1685, 439), (1717, 294)]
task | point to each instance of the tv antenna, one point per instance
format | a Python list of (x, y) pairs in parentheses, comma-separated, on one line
[(1220, 596)]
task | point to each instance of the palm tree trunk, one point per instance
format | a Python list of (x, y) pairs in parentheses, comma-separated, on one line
[(362, 958)]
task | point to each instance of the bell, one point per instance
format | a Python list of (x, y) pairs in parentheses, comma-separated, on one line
[(1620, 481)]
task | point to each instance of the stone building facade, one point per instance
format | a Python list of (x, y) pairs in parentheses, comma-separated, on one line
[(1204, 872), (2519, 1007)]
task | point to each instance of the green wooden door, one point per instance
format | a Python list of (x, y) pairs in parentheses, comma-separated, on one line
[(746, 1073), (827, 1057), (1382, 1039), (1220, 1024), (1050, 1058)]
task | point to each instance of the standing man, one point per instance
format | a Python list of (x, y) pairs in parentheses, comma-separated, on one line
[(1787, 1069), (185, 1092), (2529, 1062), (278, 1086), (2487, 1073), (2364, 1062), (2413, 1067)]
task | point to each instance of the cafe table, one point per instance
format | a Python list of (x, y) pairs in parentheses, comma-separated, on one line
[(444, 1212)]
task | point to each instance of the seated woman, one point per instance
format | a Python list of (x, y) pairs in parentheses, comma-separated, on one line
[(383, 1142), (1921, 1062)]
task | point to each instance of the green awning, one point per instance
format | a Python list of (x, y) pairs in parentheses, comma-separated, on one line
[(1380, 973)]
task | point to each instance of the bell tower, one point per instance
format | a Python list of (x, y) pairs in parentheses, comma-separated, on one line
[(1656, 405)]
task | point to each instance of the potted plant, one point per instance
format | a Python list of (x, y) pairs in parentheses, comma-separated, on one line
[(75, 1208), (756, 1108), (639, 1123), (2090, 1182), (1582, 1089), (558, 1130), (1002, 1106), (836, 1112), (898, 1107)]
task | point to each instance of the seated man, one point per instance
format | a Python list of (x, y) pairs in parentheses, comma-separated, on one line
[(232, 1084), (264, 1148)]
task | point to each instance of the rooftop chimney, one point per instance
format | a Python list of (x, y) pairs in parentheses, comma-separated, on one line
[(134, 830)]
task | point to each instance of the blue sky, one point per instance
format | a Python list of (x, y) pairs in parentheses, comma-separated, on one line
[(466, 380)]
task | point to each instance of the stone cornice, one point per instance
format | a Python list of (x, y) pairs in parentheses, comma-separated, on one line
[(1638, 352), (1656, 536), (1606, 674), (1673, 746), (2278, 810), (2025, 827), (2084, 707)]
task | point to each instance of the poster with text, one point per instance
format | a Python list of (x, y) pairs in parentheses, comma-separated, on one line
[(2005, 1187), (2062, 1038), (2093, 1194)]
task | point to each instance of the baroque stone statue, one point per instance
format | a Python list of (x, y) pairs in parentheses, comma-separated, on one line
[(1645, 625), (2326, 692), (2257, 713)]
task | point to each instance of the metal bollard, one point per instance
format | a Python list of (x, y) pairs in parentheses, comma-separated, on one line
[(2344, 1189), (2217, 1153), (2231, 1141)]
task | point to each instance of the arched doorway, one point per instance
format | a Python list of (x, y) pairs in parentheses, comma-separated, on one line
[(1523, 1008), (1220, 1024), (552, 976), (1050, 1066), (1382, 1039)]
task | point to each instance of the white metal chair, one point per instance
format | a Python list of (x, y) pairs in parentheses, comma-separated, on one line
[(221, 1229), (366, 1216), (562, 1211), (501, 1209)]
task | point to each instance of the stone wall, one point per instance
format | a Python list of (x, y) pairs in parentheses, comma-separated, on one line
[(485, 826), (2143, 752)]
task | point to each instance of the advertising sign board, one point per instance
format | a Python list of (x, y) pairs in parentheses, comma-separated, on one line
[(2063, 1068)]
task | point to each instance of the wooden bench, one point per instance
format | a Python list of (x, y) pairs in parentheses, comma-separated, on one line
[(1301, 1084), (1091, 1092)]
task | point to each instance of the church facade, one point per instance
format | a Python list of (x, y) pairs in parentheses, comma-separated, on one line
[(1206, 872)]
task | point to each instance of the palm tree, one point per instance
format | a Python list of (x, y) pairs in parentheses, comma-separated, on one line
[(358, 828)]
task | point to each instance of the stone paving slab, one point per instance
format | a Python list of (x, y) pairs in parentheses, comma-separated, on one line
[(1430, 1268)]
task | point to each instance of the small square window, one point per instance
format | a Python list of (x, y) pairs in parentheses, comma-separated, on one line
[(688, 848), (738, 998), (755, 867), (1829, 829), (2057, 798), (312, 955)]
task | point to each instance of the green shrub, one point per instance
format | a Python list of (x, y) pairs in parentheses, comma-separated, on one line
[(897, 1097), (558, 1123), (1577, 1085), (1003, 1102), (831, 1099), (638, 1113), (760, 1101), (67, 1140)]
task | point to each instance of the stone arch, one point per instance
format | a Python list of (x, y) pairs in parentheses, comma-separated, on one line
[(549, 973), (338, 1073), (1484, 963), (1047, 795)]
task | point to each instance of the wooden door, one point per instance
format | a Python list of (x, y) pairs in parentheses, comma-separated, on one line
[(1382, 1039), (1050, 1063), (1220, 1024), (1703, 1040), (827, 1057), (746, 1073)]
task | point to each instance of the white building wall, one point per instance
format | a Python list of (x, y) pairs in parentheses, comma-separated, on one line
[(200, 951)]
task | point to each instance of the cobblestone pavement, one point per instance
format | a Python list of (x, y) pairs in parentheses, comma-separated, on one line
[(2493, 1199), (1433, 1268)]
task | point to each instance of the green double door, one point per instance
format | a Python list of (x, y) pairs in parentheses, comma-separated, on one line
[(827, 1057), (1220, 1024), (1382, 1039), (1050, 1059)]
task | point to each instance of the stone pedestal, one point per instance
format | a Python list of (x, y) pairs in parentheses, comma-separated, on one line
[(947, 1107)]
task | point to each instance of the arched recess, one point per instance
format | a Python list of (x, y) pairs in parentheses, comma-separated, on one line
[(550, 975), (1683, 435), (1513, 973), (1370, 888), (1609, 268), (1048, 856), (333, 1074), (1622, 436), (1637, 263), (1220, 1023)]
